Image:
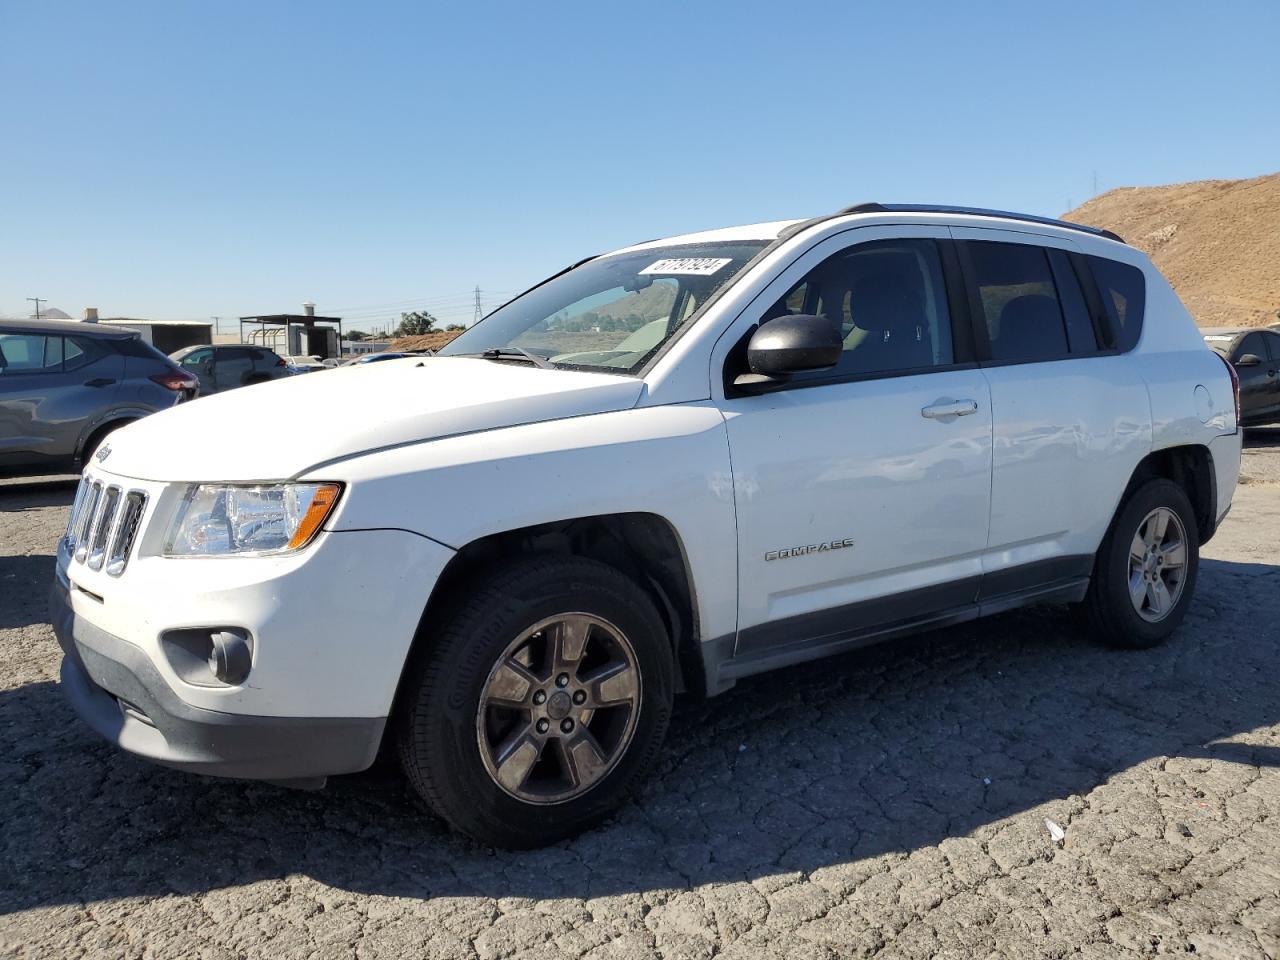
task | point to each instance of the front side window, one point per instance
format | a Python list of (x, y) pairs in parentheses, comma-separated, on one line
[(889, 300), (612, 313), (195, 358), (1253, 344), (1018, 301), (29, 353)]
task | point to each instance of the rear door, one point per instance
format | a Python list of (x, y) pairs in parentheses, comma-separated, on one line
[(1070, 416), (233, 366)]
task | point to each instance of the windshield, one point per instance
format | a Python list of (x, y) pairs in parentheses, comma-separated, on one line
[(612, 313), (1220, 343)]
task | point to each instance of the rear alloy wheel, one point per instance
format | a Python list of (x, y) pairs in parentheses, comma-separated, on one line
[(1157, 565), (1145, 572), (531, 710)]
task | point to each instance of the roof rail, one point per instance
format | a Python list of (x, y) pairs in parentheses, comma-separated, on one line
[(976, 212)]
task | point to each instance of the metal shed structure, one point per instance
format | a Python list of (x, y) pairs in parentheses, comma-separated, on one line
[(302, 334)]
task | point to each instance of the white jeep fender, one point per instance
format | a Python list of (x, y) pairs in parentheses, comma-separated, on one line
[(671, 461)]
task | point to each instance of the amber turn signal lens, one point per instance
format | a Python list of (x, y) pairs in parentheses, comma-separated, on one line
[(326, 496)]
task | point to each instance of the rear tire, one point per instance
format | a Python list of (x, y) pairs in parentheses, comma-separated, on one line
[(1145, 571), (539, 703)]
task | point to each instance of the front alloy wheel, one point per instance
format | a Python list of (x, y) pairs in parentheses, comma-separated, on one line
[(559, 708), (531, 709)]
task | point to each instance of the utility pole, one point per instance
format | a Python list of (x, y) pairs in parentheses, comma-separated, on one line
[(216, 330), (479, 311), (1095, 183), (40, 300)]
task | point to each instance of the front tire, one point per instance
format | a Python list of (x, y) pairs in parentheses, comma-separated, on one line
[(1145, 571), (540, 702)]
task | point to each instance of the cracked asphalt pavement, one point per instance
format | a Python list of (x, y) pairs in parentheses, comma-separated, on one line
[(890, 802)]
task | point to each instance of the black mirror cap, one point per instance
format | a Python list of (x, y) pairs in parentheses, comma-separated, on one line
[(1249, 360), (795, 343)]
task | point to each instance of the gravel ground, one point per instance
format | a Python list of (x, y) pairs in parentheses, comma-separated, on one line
[(891, 802)]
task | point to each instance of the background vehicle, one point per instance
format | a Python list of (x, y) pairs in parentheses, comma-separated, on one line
[(1255, 354), (64, 386), (225, 367), (668, 468), (374, 358), (308, 364)]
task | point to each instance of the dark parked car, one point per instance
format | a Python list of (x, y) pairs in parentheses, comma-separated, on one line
[(65, 385), (1256, 356), (375, 358), (224, 367)]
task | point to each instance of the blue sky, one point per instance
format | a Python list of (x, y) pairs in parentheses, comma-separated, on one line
[(187, 160)]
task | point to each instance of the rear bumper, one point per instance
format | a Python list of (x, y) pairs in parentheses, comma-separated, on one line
[(100, 670)]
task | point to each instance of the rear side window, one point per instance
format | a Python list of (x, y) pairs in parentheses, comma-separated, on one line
[(80, 352), (1124, 295), (29, 353), (1018, 300)]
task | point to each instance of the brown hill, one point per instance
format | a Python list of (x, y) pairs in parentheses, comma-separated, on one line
[(1218, 242)]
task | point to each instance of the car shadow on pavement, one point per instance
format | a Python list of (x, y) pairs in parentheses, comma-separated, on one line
[(18, 496), (820, 766), (24, 587)]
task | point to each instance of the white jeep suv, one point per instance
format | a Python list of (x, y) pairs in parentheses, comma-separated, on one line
[(665, 468)]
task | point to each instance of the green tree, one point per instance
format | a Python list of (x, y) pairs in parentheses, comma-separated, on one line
[(415, 323), (355, 336), (454, 326)]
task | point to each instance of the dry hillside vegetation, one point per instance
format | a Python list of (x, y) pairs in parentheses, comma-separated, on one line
[(1218, 242)]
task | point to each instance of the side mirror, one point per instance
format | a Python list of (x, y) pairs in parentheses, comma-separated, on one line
[(1249, 360), (791, 344)]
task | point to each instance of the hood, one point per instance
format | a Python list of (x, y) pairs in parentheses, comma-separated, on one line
[(277, 430)]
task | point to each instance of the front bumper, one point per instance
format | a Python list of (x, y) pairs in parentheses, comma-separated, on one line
[(116, 689)]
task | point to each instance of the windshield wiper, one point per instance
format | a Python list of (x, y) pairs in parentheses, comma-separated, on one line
[(512, 353)]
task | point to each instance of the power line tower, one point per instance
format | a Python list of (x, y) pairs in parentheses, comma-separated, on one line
[(479, 311), (39, 300)]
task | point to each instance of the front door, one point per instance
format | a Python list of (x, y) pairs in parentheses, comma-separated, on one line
[(862, 492), (200, 363), (1257, 379)]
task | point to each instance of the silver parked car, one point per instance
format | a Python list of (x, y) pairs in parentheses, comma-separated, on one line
[(64, 386), (226, 366)]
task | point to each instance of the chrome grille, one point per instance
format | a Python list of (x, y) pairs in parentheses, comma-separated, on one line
[(126, 530), (104, 525)]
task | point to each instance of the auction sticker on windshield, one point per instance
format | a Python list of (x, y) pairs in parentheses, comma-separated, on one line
[(688, 266)]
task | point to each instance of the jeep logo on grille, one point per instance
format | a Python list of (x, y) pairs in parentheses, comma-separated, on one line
[(104, 451)]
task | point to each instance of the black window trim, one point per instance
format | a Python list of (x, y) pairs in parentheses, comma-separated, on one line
[(958, 309)]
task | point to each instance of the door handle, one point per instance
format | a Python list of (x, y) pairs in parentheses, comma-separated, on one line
[(948, 409), (99, 382)]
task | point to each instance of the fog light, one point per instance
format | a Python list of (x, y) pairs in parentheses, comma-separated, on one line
[(230, 657), (209, 656)]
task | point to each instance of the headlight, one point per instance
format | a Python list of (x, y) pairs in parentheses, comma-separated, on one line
[(225, 520)]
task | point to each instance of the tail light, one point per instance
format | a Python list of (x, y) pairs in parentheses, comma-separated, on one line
[(175, 380), (1235, 385), (280, 362)]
